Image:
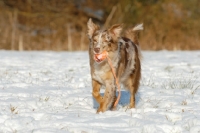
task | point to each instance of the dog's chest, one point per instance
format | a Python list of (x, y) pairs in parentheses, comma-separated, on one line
[(100, 72)]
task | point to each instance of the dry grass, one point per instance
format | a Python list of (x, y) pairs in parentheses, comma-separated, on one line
[(27, 26), (53, 25)]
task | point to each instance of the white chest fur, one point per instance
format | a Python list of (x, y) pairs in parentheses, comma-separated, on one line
[(100, 71)]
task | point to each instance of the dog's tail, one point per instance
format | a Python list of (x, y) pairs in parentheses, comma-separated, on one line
[(133, 33)]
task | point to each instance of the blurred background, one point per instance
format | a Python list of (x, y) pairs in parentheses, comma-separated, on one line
[(62, 24)]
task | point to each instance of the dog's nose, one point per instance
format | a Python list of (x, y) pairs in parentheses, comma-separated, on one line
[(97, 50)]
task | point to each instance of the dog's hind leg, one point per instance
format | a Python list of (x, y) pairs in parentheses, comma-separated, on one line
[(132, 98), (96, 91), (134, 82), (132, 87)]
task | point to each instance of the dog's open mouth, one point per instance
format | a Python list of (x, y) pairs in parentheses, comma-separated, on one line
[(100, 57)]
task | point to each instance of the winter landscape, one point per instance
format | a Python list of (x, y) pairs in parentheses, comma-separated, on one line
[(50, 92)]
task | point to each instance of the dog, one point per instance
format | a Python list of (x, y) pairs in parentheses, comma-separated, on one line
[(125, 55)]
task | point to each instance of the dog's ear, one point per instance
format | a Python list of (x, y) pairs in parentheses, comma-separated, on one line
[(115, 31), (91, 28)]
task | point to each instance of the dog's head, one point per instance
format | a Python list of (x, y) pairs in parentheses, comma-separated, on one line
[(103, 40)]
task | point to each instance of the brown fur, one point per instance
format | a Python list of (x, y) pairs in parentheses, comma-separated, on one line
[(125, 57)]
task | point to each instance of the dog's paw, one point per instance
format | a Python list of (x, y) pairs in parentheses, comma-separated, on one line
[(131, 106), (101, 110), (113, 109)]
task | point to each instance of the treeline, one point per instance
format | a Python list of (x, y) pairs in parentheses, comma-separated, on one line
[(61, 24)]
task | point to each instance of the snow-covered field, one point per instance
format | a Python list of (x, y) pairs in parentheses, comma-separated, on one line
[(50, 92)]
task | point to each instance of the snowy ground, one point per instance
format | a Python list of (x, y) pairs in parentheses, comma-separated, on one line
[(50, 92)]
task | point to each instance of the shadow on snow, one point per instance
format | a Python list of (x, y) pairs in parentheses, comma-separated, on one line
[(124, 99)]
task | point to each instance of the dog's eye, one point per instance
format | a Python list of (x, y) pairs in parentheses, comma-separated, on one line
[(104, 45), (95, 41), (108, 38)]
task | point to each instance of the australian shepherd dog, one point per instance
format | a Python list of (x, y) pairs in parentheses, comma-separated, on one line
[(124, 53)]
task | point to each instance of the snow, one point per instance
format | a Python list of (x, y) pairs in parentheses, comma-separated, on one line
[(50, 92)]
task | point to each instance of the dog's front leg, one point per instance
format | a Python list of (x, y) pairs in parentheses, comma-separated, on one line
[(96, 91), (108, 96)]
